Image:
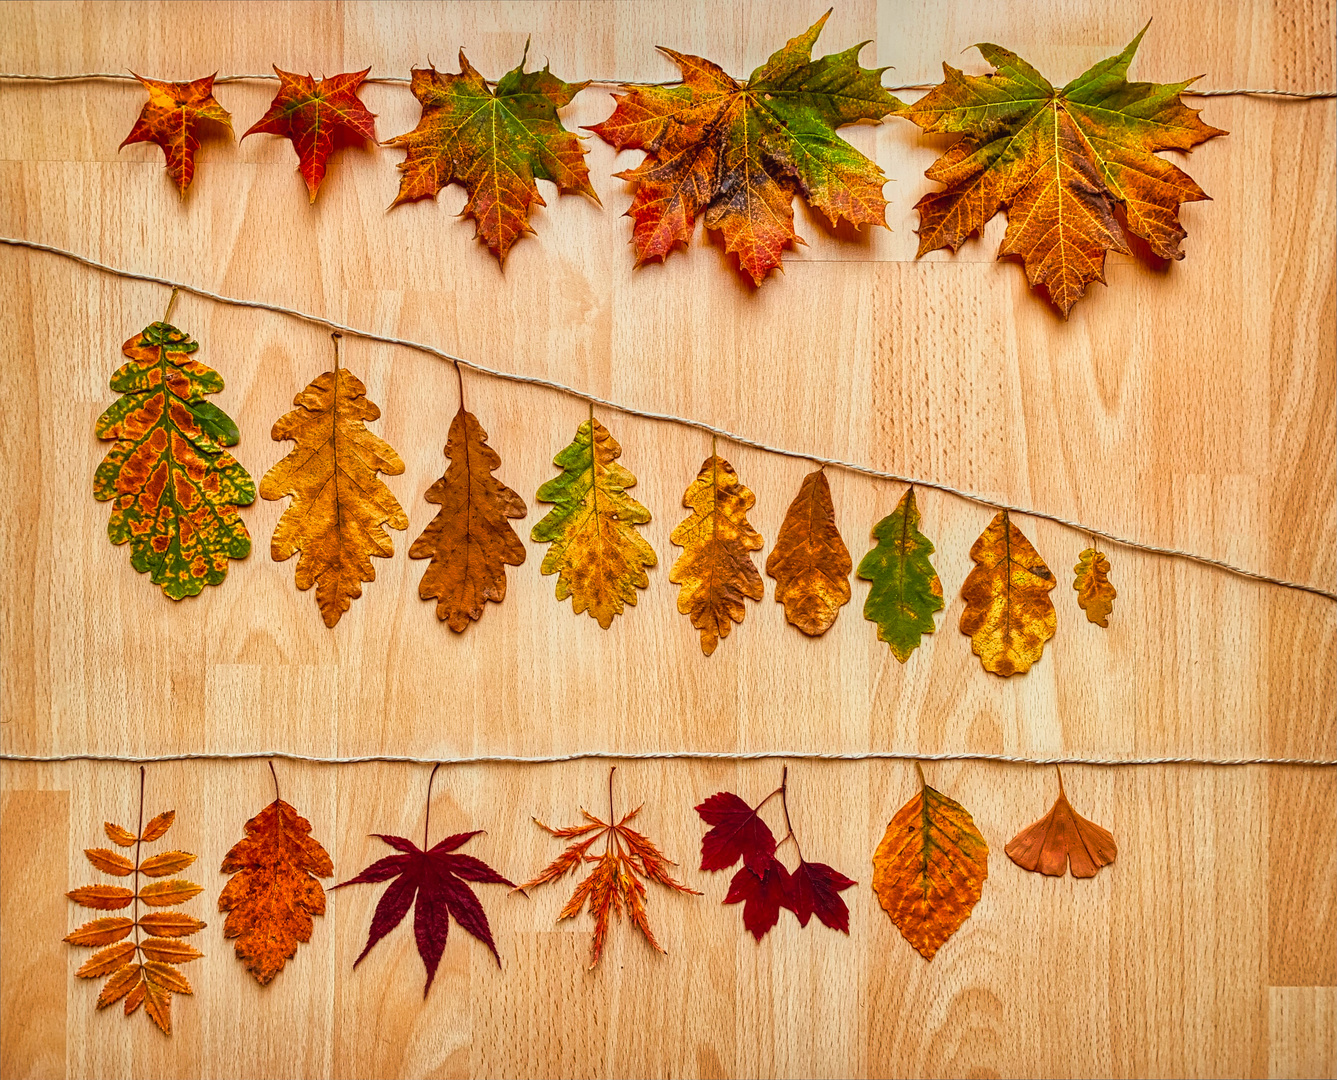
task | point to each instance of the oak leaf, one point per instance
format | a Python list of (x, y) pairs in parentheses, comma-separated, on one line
[(312, 115), (810, 562), (929, 869), (169, 118), (906, 590), (470, 541), (1062, 839), (1008, 614), (274, 890), (596, 550), (340, 505), (494, 142), (1061, 162), (175, 487), (1095, 594), (715, 570), (740, 152)]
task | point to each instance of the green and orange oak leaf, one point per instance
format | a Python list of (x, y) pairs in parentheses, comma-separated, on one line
[(169, 118)]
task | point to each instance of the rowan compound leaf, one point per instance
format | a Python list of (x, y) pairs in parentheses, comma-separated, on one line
[(101, 931), (157, 827), (929, 869), (810, 562), (313, 114), (738, 833), (274, 890), (715, 570), (1062, 840), (596, 550), (175, 488), (816, 891), (740, 152), (1008, 614), (1061, 162), (109, 862), (906, 590), (1095, 594), (340, 505), (117, 835), (762, 895), (169, 118), (494, 142), (470, 541)]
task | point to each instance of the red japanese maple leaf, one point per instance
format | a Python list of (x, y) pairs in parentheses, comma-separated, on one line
[(170, 117)]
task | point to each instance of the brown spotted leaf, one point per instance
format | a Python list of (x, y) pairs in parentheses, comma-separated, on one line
[(169, 118), (810, 562), (1062, 839), (1008, 614), (1095, 594), (157, 827)]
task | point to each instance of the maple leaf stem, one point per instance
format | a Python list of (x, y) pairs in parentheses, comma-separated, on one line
[(275, 777), (427, 816), (171, 303)]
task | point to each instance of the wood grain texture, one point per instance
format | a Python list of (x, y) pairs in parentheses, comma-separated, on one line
[(1191, 405)]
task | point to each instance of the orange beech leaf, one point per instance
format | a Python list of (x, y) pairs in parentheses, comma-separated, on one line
[(101, 931), (170, 117), (1062, 839), (1008, 614), (810, 562), (1095, 594), (109, 862), (117, 835)]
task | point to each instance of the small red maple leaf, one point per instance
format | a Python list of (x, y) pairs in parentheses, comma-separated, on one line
[(169, 119), (762, 896), (311, 114), (739, 833)]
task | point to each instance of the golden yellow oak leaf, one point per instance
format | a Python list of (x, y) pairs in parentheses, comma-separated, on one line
[(1008, 615), (1095, 594)]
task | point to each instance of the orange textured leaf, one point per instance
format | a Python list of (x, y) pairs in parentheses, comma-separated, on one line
[(810, 562), (170, 924), (157, 827), (1008, 614), (101, 931), (1095, 594), (274, 891), (1062, 839), (470, 541), (117, 835), (167, 893), (108, 960), (169, 118), (313, 115), (160, 982), (109, 862), (102, 897), (169, 862)]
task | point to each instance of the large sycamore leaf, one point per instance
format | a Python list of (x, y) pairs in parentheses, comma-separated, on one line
[(740, 152), (470, 541), (340, 505), (906, 590), (274, 890), (494, 142), (1095, 594), (312, 114), (929, 869), (1061, 162), (175, 487), (1062, 839), (1008, 614), (715, 570), (169, 118), (810, 562), (597, 552)]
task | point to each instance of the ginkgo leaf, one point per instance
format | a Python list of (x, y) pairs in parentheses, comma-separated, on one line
[(1095, 594), (906, 590), (1008, 614), (169, 118), (596, 550), (169, 862), (109, 862), (740, 152), (274, 890), (715, 570), (929, 869), (340, 505), (1062, 839), (1061, 162), (494, 142), (313, 114), (470, 541), (176, 488), (810, 562)]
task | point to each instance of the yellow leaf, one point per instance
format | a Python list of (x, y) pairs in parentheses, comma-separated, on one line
[(118, 835), (1008, 614), (1095, 594)]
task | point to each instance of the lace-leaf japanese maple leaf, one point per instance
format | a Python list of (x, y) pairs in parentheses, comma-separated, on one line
[(169, 118), (906, 590), (175, 487), (1095, 593), (470, 541), (312, 115), (1008, 614), (1062, 839), (615, 882), (740, 152), (1061, 162), (810, 562), (494, 142)]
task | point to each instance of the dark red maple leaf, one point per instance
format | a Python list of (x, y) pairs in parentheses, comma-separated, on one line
[(762, 896), (816, 892), (738, 833)]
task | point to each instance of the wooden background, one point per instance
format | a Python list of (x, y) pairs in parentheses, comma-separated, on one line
[(1190, 405)]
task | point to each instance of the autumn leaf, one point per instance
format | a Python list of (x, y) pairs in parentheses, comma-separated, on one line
[(175, 488), (906, 590), (762, 895), (810, 562), (340, 505), (740, 152), (470, 541), (494, 142), (1065, 164), (1008, 613), (274, 890), (615, 883), (715, 571), (169, 118), (313, 114), (817, 889), (738, 832), (930, 868), (1062, 839), (597, 553), (1095, 594)]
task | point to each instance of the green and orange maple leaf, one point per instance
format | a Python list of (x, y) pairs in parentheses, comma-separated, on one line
[(169, 119)]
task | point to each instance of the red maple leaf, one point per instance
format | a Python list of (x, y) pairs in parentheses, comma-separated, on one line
[(762, 896), (739, 833), (169, 118), (816, 892)]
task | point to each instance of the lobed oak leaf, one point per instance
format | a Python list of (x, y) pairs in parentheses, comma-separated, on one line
[(101, 931), (738, 833), (1095, 594), (109, 862), (1008, 614), (810, 562), (1062, 839), (169, 118), (906, 589)]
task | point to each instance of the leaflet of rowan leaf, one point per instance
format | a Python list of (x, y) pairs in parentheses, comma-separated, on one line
[(470, 541), (906, 590), (1062, 839), (169, 118), (175, 489), (340, 505), (495, 143), (1060, 162), (810, 562), (1095, 594), (1008, 613), (741, 152)]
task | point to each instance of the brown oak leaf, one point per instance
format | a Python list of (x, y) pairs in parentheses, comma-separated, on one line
[(810, 562)]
